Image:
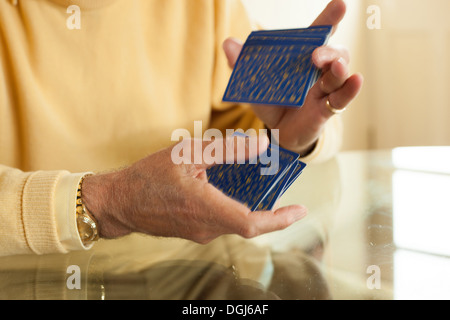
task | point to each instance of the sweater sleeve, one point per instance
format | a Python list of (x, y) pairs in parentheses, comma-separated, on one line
[(232, 21), (30, 212), (65, 211), (329, 143)]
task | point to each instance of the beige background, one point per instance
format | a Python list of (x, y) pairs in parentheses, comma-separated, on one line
[(405, 64)]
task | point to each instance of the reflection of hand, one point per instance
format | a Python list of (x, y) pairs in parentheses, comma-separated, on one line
[(154, 196), (300, 128)]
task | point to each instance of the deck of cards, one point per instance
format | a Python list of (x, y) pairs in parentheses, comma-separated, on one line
[(258, 183), (275, 67)]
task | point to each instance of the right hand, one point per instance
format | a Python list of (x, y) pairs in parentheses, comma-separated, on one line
[(156, 197)]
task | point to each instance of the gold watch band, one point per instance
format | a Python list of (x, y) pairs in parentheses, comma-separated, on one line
[(86, 223)]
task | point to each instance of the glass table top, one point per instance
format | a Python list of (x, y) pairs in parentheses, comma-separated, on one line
[(377, 228)]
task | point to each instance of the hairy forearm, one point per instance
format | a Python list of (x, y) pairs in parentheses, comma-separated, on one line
[(156, 197), (105, 201)]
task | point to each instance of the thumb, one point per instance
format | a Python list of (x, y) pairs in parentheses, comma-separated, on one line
[(232, 48), (332, 14)]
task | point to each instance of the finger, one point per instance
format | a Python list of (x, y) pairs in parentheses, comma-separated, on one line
[(334, 78), (232, 48), (261, 222), (239, 149), (232, 217), (228, 216), (342, 97), (324, 56), (235, 149), (219, 214), (332, 14)]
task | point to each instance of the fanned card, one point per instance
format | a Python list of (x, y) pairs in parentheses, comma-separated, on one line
[(275, 67), (258, 183)]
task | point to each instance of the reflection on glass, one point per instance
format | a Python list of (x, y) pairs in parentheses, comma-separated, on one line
[(421, 220), (429, 159), (420, 276), (421, 211)]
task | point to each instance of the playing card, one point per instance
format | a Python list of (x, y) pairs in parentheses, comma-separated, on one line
[(247, 182), (315, 31), (282, 186), (276, 68)]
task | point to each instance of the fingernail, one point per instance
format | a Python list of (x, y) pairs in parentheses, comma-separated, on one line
[(232, 42), (323, 55), (237, 41), (263, 142), (256, 145), (342, 61), (303, 212), (338, 71)]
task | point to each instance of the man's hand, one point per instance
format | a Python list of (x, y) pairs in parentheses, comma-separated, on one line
[(154, 196), (300, 128)]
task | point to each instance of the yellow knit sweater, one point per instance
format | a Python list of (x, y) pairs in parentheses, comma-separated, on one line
[(98, 88)]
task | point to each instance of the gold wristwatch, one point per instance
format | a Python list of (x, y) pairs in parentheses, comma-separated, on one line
[(87, 226)]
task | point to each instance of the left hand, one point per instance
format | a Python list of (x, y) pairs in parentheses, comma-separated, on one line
[(300, 128)]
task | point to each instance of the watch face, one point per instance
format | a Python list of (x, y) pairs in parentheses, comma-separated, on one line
[(86, 228)]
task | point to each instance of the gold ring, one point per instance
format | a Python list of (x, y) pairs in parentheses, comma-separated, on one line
[(333, 110)]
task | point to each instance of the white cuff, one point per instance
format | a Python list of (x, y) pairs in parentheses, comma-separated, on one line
[(65, 208), (329, 143)]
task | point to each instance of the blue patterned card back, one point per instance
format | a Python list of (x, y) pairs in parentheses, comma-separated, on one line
[(283, 185), (275, 67), (246, 183), (314, 31)]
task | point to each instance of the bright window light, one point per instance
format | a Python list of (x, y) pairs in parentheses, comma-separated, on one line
[(420, 276), (421, 211), (421, 221), (429, 159)]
